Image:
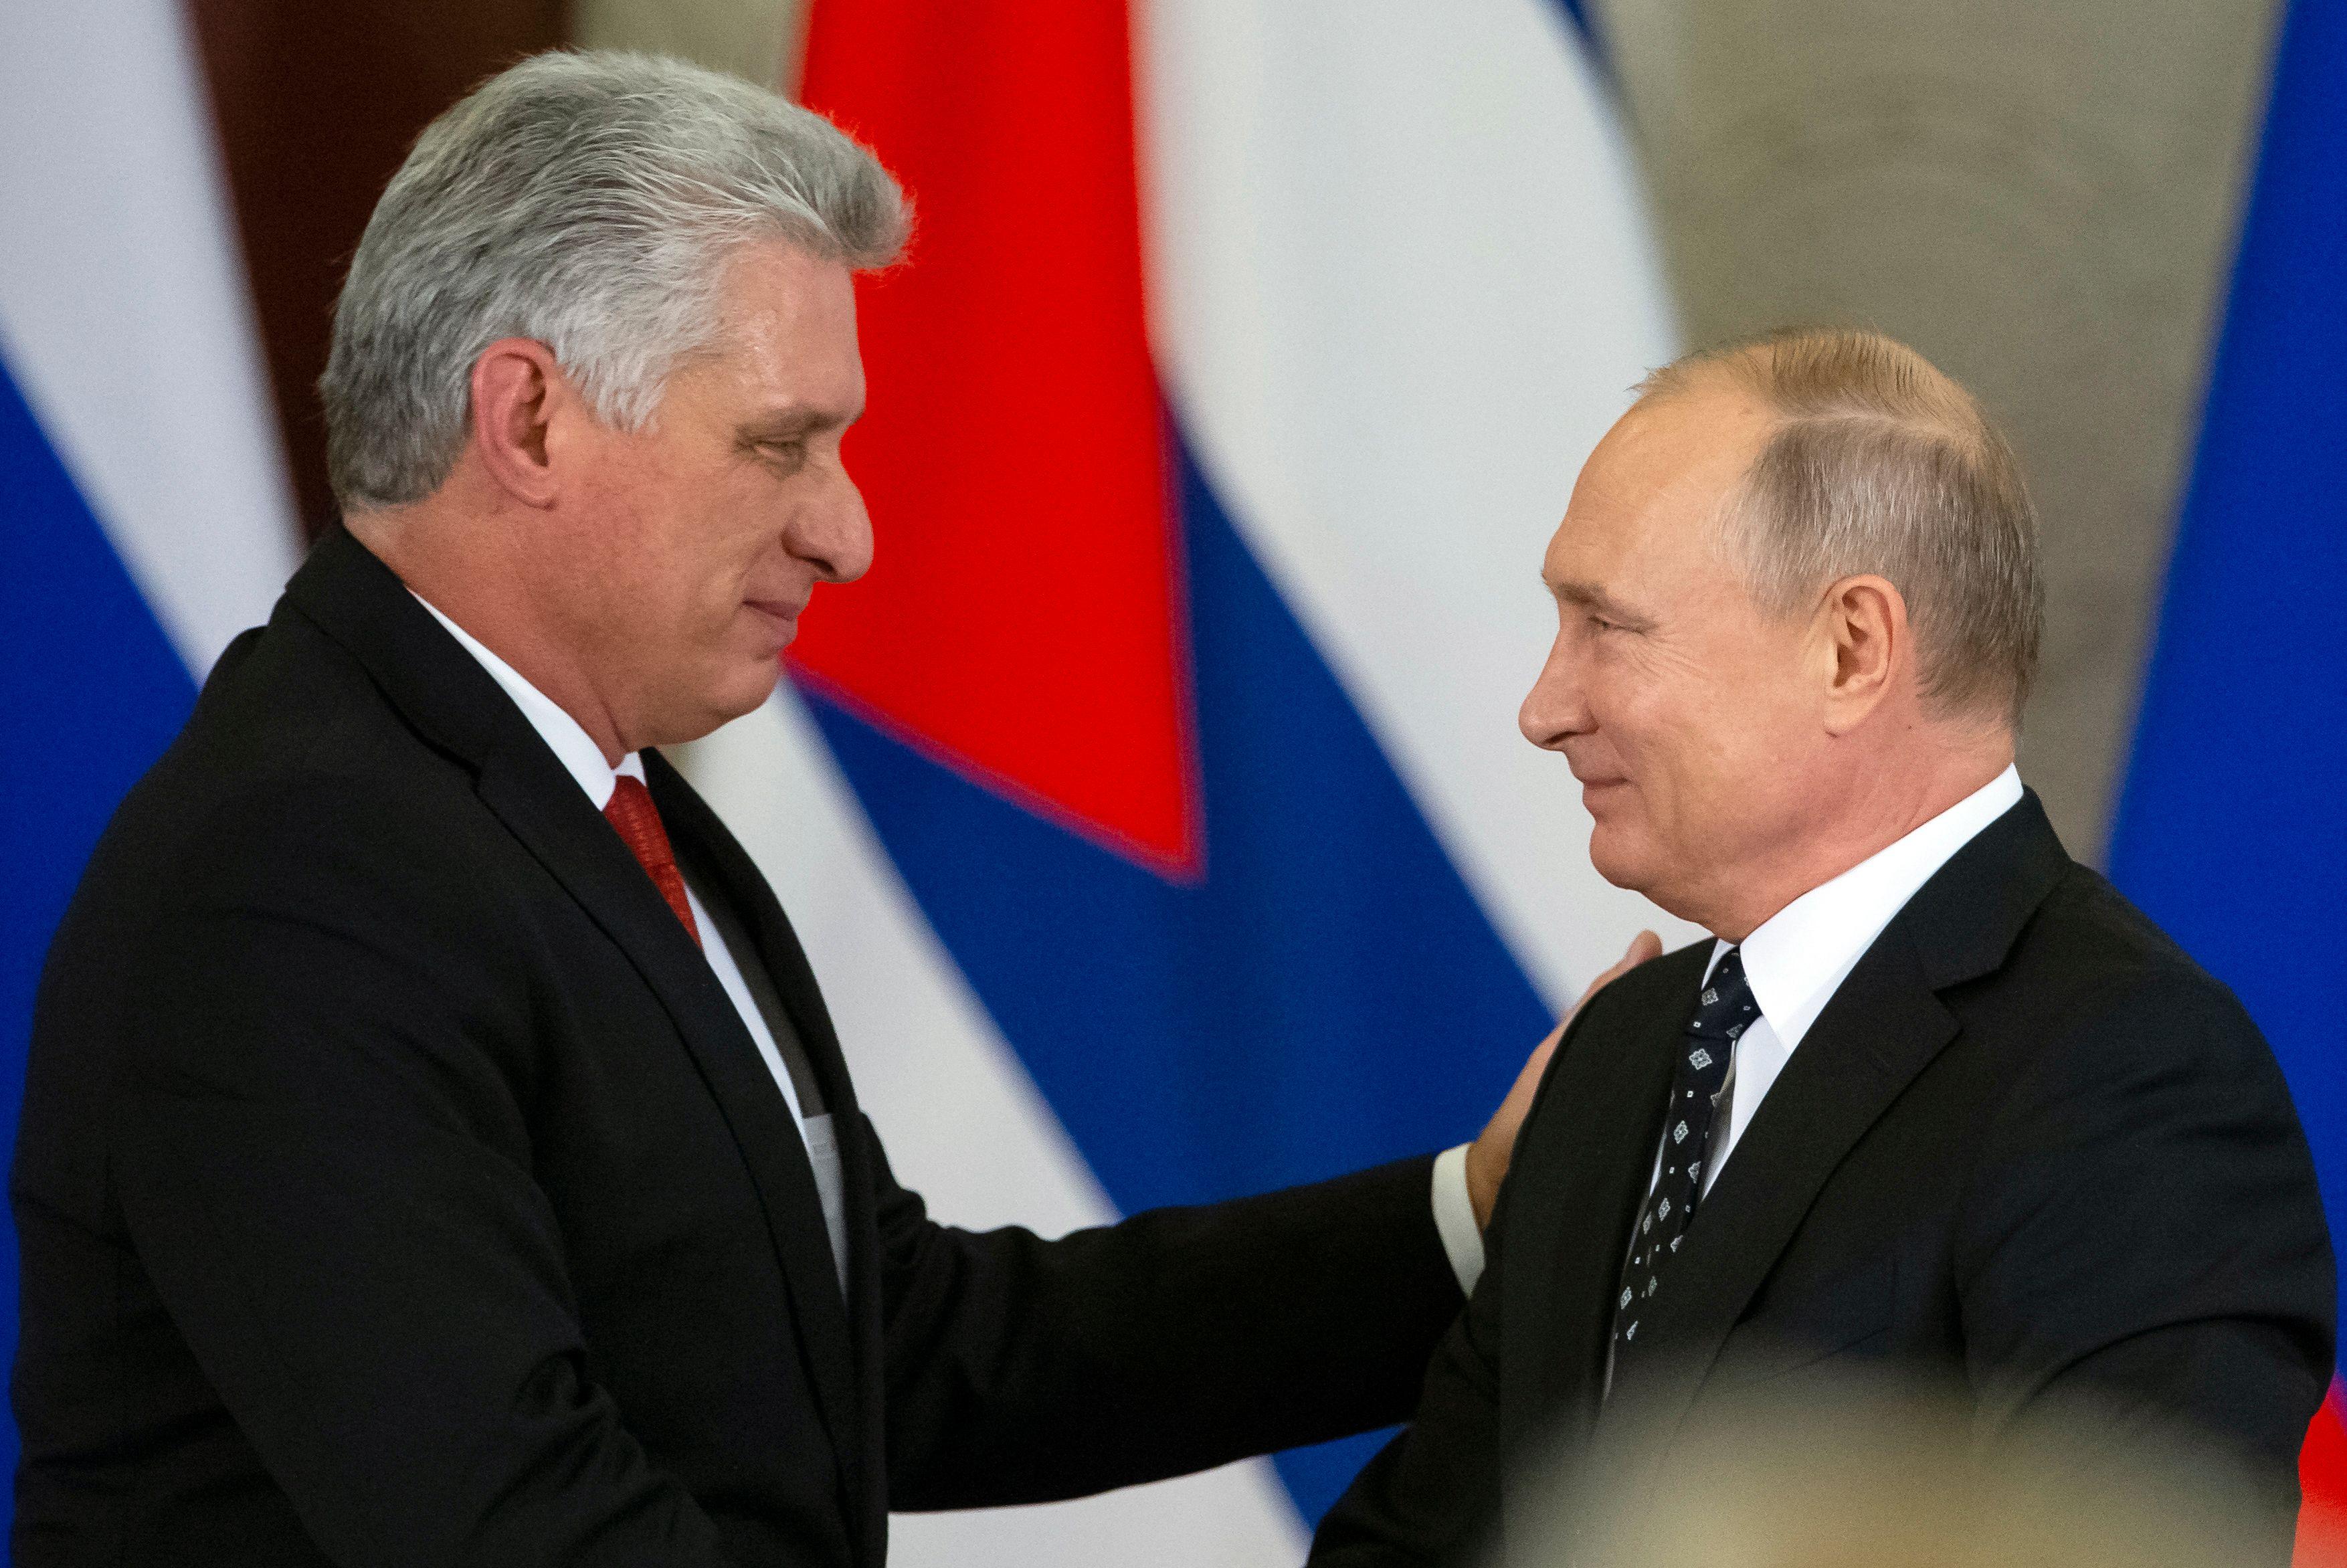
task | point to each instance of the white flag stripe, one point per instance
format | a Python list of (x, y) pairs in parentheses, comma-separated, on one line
[(964, 1124), (1400, 284), (965, 1127), (1402, 281), (1235, 1517), (124, 313)]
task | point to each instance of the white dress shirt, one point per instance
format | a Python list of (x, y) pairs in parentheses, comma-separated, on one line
[(1797, 958), (579, 754), (1454, 1214)]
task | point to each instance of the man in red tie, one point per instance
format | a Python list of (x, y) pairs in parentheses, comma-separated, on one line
[(415, 1170)]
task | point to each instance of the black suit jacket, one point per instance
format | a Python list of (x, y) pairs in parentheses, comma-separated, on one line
[(2029, 1151), (397, 1186)]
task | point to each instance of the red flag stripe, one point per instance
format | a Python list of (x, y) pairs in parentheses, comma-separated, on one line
[(1022, 619), (2323, 1474)]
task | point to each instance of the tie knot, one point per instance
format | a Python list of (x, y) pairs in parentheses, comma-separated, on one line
[(631, 810), (632, 813), (1726, 1007)]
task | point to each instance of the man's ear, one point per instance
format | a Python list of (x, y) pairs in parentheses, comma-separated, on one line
[(1865, 621), (519, 392)]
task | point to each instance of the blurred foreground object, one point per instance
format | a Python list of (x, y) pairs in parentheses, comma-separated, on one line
[(1858, 1478)]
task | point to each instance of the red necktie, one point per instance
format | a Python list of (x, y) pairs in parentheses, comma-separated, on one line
[(632, 812)]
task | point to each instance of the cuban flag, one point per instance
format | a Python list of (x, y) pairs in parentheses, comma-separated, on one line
[(144, 512), (1155, 812), (2231, 831)]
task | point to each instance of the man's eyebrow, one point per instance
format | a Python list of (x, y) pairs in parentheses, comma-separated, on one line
[(1589, 597), (790, 424)]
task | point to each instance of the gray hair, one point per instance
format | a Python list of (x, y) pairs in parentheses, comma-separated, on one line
[(1881, 464), (588, 200)]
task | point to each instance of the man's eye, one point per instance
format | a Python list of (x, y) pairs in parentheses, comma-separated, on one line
[(1602, 624), (784, 454)]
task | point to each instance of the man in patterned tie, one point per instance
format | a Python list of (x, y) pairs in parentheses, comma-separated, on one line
[(1935, 1104)]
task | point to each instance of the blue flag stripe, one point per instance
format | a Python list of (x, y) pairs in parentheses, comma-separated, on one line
[(2231, 830), (94, 694)]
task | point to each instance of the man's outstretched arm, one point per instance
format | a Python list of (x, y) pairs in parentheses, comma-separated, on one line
[(1021, 1369)]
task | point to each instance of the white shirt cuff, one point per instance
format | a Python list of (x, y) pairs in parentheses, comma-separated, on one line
[(1454, 1218)]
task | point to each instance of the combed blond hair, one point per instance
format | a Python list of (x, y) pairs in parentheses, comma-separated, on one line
[(1881, 464)]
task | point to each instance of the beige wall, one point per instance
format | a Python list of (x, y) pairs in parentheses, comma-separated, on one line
[(2040, 194), (752, 39)]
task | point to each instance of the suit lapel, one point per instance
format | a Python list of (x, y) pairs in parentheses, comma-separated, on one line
[(1880, 1031), (690, 820), (454, 705), (692, 823), (1608, 1091), (561, 827), (1882, 1028)]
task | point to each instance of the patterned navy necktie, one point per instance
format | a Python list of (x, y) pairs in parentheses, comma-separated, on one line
[(1726, 1010)]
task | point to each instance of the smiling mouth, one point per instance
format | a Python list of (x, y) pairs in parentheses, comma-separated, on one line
[(782, 617)]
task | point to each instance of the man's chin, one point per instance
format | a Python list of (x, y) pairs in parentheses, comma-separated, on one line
[(749, 692), (745, 691), (1618, 855), (1632, 863)]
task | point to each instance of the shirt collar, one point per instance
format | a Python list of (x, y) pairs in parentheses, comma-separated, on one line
[(1799, 955), (564, 736)]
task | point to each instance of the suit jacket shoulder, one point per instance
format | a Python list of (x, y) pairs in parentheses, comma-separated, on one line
[(2029, 1155)]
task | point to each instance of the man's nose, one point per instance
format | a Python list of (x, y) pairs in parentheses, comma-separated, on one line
[(1557, 707), (835, 531)]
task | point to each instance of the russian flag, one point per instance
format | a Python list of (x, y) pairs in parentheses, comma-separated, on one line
[(1154, 811), (144, 515), (2231, 831)]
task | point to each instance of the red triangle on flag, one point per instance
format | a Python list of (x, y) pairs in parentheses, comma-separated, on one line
[(1023, 617)]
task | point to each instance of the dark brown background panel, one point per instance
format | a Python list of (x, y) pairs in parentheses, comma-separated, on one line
[(317, 104)]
